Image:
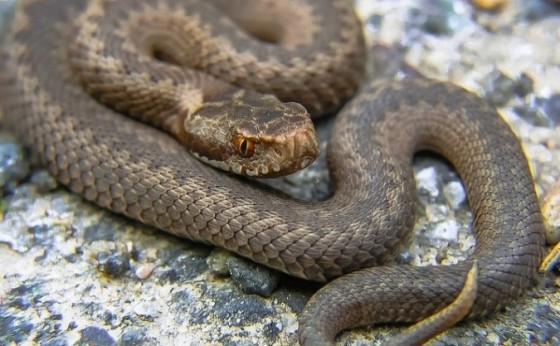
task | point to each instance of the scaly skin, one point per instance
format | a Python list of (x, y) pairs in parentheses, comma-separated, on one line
[(138, 171)]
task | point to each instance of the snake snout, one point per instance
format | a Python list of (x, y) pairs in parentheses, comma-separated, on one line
[(301, 147), (287, 154), (306, 148)]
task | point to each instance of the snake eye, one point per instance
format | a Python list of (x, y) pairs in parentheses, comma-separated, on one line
[(243, 146)]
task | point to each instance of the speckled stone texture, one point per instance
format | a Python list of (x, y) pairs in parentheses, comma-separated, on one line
[(71, 273)]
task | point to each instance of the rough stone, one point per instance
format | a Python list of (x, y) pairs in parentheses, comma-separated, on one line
[(551, 212), (499, 88), (218, 262), (95, 336), (136, 337), (113, 264), (251, 277), (51, 292), (44, 181), (14, 167)]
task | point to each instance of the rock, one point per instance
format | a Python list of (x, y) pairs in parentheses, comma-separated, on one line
[(218, 261), (455, 194), (441, 17), (95, 336), (184, 267), (144, 271), (147, 311), (251, 277), (427, 182), (44, 181), (550, 109), (447, 230), (55, 342), (295, 298), (113, 264), (551, 213), (14, 330), (188, 308), (14, 167), (524, 85), (136, 337), (51, 290), (541, 111), (236, 309), (104, 230), (499, 88)]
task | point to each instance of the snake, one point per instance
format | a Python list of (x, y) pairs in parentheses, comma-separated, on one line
[(69, 68)]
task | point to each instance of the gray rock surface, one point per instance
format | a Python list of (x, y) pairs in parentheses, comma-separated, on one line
[(71, 273)]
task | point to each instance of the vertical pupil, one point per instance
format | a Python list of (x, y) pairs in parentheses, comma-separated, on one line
[(243, 147)]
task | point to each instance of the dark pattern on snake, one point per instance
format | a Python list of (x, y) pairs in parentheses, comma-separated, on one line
[(138, 171)]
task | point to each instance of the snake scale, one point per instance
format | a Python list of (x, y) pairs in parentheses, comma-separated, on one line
[(136, 170)]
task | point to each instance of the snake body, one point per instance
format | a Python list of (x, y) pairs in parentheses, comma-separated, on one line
[(136, 170)]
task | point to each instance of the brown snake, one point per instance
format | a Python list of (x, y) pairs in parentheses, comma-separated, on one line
[(138, 171)]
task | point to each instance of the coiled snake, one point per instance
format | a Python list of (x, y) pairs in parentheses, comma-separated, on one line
[(311, 51)]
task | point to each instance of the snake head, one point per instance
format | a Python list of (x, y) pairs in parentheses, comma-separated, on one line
[(253, 134)]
